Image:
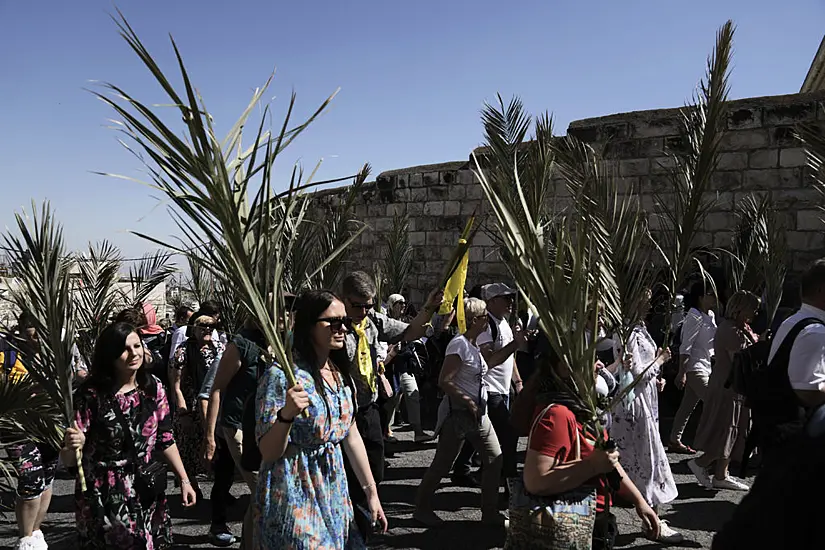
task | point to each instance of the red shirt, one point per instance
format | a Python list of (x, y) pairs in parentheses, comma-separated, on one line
[(555, 436)]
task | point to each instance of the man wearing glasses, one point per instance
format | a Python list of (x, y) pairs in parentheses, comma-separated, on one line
[(370, 327)]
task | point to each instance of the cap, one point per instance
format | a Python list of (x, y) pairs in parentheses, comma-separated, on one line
[(494, 290), (394, 299)]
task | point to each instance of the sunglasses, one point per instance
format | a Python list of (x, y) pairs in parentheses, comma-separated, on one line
[(206, 327), (337, 323), (362, 306)]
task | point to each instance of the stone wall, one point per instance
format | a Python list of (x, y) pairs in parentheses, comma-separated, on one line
[(759, 154)]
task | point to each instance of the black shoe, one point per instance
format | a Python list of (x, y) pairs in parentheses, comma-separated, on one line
[(220, 535), (464, 480)]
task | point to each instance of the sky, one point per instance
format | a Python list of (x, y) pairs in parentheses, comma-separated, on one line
[(413, 77)]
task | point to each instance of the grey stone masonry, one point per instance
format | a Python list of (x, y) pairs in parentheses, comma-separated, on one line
[(759, 153)]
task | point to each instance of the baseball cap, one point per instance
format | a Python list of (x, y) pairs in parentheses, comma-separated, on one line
[(494, 290)]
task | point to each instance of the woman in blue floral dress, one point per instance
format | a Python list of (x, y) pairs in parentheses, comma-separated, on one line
[(110, 514), (302, 497)]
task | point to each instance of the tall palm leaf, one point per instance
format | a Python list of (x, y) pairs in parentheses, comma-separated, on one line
[(398, 257), (44, 290), (146, 274), (200, 281), (743, 260), (97, 296), (702, 126), (209, 184)]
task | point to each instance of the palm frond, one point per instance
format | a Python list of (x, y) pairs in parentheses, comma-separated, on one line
[(209, 183), (146, 274), (97, 296), (44, 290), (702, 126), (743, 261), (398, 259)]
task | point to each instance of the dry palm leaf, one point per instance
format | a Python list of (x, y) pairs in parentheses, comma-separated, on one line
[(210, 182), (44, 290)]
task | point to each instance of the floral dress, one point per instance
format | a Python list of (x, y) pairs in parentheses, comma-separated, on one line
[(189, 429), (636, 423), (302, 499), (110, 514)]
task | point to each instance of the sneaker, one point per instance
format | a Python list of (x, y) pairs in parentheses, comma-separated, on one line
[(700, 473), (391, 439), (730, 483), (668, 535), (220, 535), (29, 543), (427, 518), (39, 536), (424, 437)]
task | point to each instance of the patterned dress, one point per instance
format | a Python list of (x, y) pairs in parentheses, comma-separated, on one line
[(110, 515), (189, 429), (302, 499), (636, 424)]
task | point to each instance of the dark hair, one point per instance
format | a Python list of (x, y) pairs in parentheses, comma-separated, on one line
[(358, 283), (476, 292), (210, 308), (181, 312), (25, 321), (132, 316), (697, 290), (309, 307), (109, 347), (813, 279)]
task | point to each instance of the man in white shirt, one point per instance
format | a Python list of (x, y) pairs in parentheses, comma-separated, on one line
[(498, 346)]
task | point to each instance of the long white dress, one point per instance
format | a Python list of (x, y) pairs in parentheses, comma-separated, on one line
[(636, 423)]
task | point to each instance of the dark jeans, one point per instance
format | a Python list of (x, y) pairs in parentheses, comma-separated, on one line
[(498, 409), (223, 467), (368, 421)]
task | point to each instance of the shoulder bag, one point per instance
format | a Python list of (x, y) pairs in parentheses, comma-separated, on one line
[(554, 522), (150, 479)]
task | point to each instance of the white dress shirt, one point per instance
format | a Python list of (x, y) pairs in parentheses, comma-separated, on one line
[(698, 331), (806, 367)]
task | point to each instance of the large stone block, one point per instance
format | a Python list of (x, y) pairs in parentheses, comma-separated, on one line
[(457, 192), (376, 210), (452, 208), (726, 180), (655, 128), (807, 241), (775, 178), (471, 206), (402, 195), (783, 136), (789, 114), (764, 158), (466, 177), (744, 139), (809, 220), (474, 191), (382, 225), (437, 192), (416, 180), (732, 161), (635, 167), (434, 208), (722, 239), (415, 209), (719, 221), (419, 195), (430, 178), (662, 165), (397, 209), (440, 238), (418, 238), (804, 198), (793, 157)]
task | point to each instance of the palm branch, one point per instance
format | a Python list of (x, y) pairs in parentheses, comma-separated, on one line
[(702, 126), (743, 260), (399, 254), (209, 184), (152, 269), (44, 290), (97, 296)]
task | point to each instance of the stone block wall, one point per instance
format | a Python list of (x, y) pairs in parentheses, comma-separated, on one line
[(759, 154)]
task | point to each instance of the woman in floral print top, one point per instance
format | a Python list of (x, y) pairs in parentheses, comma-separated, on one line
[(110, 514)]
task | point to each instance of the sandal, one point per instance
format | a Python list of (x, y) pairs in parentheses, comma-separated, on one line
[(680, 448)]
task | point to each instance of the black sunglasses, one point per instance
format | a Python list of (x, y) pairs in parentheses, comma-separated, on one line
[(207, 327), (336, 323), (362, 306)]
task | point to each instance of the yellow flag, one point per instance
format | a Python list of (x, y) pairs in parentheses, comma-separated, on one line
[(455, 288)]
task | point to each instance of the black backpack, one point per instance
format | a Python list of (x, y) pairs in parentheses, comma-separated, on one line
[(766, 386)]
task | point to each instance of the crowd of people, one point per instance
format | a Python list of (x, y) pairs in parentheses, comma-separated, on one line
[(205, 404)]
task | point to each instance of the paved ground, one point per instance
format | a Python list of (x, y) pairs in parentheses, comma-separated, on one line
[(698, 512)]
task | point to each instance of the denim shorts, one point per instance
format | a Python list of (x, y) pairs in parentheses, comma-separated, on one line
[(34, 474)]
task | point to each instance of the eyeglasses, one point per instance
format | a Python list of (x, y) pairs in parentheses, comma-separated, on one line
[(368, 305), (482, 316), (337, 323)]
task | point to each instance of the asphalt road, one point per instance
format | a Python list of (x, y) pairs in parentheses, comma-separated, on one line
[(697, 513)]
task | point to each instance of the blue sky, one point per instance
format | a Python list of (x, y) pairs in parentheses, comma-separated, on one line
[(413, 77)]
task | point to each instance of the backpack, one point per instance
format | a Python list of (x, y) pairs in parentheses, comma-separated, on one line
[(765, 385)]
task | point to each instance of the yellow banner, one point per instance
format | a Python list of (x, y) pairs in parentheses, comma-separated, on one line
[(455, 289)]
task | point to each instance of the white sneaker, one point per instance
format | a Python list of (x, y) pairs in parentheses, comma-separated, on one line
[(39, 536), (700, 473), (668, 535), (730, 483), (29, 543)]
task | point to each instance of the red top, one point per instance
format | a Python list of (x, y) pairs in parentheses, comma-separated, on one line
[(555, 436)]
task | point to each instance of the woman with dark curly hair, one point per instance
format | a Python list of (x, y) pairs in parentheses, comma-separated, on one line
[(122, 424)]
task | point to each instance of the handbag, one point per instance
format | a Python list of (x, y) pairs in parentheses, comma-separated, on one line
[(384, 386), (150, 479), (555, 522)]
